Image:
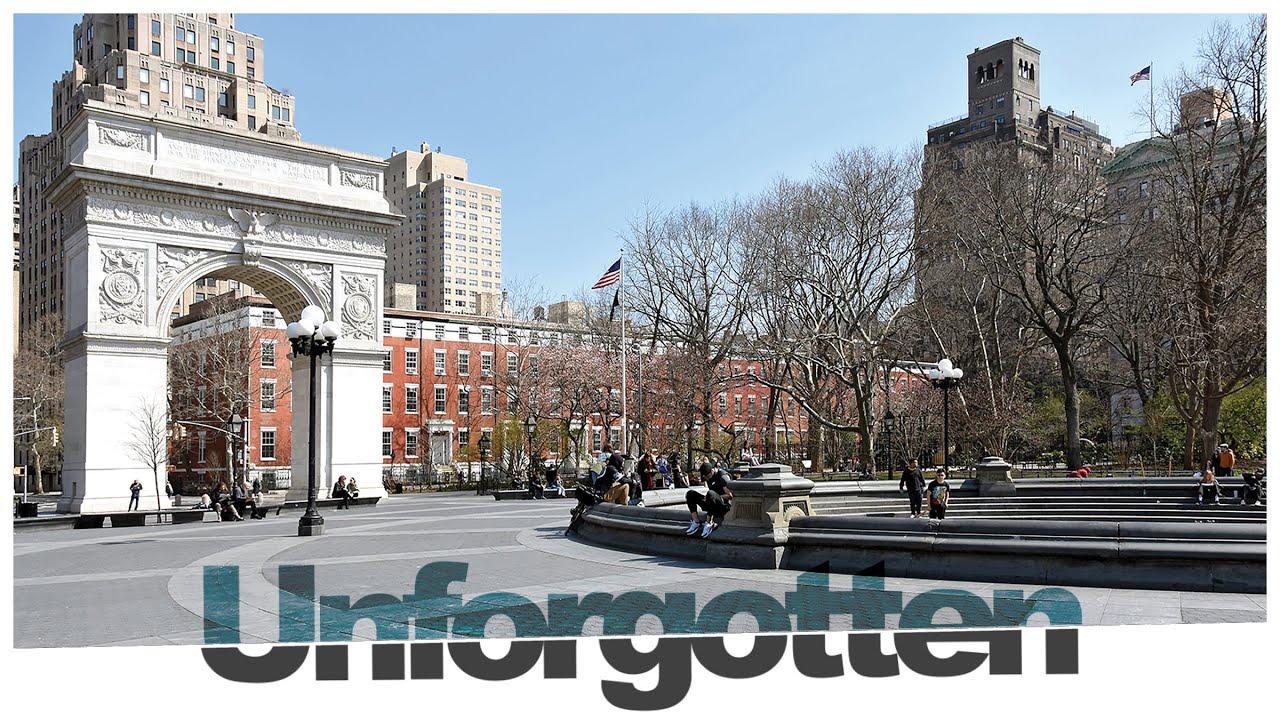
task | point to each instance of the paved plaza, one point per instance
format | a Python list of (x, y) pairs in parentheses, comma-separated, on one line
[(143, 586)]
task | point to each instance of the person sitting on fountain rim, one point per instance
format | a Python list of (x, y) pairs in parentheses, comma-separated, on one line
[(715, 502), (1209, 488), (611, 484)]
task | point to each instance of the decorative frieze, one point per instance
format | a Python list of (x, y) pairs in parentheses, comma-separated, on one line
[(172, 262), (124, 138), (321, 278), (358, 310), (252, 163), (361, 180), (120, 297)]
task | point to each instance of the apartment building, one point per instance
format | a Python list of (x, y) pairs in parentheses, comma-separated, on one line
[(1004, 105), (192, 67), (449, 246)]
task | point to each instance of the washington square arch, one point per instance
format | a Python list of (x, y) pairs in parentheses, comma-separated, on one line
[(152, 205)]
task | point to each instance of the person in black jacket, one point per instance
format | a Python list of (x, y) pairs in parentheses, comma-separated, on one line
[(913, 482), (715, 502), (611, 484)]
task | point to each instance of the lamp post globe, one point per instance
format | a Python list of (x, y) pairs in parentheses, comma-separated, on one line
[(946, 376), (312, 336)]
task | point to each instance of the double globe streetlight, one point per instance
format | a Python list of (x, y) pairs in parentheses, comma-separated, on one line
[(312, 336), (945, 377)]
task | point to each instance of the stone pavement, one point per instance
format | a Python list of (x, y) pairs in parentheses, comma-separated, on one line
[(143, 586)]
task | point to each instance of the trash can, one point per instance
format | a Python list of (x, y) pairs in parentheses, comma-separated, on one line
[(27, 509)]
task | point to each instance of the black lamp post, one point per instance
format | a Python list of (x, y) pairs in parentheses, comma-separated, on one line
[(530, 429), (887, 427), (945, 377), (312, 336), (234, 425), (484, 450)]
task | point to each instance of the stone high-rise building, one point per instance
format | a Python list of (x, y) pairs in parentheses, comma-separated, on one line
[(190, 67), (449, 246), (1004, 105)]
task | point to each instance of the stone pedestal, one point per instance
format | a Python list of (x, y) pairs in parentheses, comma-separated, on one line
[(995, 477), (768, 497)]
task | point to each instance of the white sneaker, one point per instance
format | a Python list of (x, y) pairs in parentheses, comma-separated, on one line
[(693, 527), (707, 528)]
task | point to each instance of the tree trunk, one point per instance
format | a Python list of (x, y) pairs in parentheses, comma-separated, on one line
[(1209, 423), (39, 471), (1071, 406)]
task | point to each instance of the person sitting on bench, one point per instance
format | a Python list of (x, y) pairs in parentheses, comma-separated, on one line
[(226, 508), (715, 502), (1255, 487)]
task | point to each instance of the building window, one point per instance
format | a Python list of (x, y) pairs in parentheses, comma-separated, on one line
[(179, 34), (215, 63), (439, 332), (464, 436), (386, 360), (464, 400), (486, 364), (268, 318), (253, 102), (411, 399), (191, 36), (188, 91), (386, 327), (144, 97), (231, 46), (386, 443), (410, 362), (464, 362), (386, 399), (439, 361), (155, 48), (201, 448), (440, 399), (513, 364), (199, 94), (191, 56), (267, 391), (411, 443), (231, 67), (275, 110), (248, 54), (253, 123), (486, 400), (268, 353), (722, 404), (155, 27), (164, 85), (213, 43), (144, 76), (222, 99), (267, 444)]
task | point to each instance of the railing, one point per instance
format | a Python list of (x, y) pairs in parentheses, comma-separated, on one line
[(948, 121)]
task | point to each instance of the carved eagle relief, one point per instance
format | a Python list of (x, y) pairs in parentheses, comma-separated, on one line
[(252, 223)]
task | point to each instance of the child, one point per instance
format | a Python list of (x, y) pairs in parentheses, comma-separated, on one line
[(939, 493)]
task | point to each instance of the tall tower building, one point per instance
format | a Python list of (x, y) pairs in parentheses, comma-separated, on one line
[(190, 67), (1004, 105), (450, 244)]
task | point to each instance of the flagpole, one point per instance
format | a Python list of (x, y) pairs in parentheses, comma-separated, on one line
[(1151, 89), (622, 302)]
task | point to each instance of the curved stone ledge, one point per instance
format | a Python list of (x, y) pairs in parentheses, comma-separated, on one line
[(1181, 556)]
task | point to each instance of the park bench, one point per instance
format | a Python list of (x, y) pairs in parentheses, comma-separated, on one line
[(138, 518), (524, 494)]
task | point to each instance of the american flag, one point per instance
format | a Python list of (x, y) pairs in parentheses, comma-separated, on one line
[(610, 276), (1143, 74)]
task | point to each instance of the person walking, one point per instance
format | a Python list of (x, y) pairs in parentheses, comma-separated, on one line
[(677, 472), (939, 495), (664, 472), (135, 495), (913, 482)]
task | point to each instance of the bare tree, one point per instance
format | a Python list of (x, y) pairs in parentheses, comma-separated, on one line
[(842, 263), (1196, 195), (149, 443), (1041, 230), (38, 389)]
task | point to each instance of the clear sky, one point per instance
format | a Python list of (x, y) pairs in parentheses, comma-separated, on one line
[(583, 119)]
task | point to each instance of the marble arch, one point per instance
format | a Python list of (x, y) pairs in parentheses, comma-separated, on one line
[(151, 203)]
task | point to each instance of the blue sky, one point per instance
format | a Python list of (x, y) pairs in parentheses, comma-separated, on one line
[(583, 119)]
